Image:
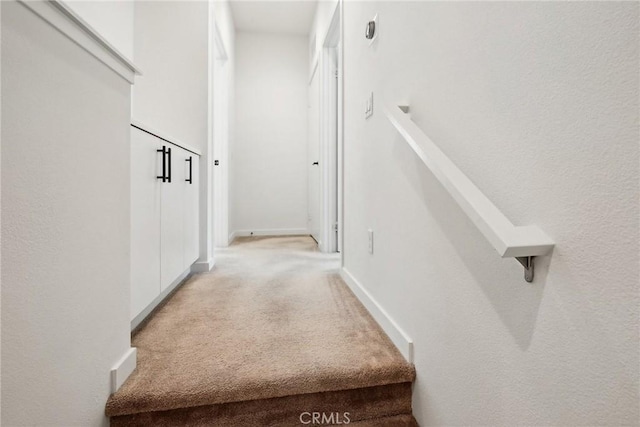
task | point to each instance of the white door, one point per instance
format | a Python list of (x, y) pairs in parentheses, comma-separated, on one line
[(172, 217), (313, 158), (146, 166), (191, 209)]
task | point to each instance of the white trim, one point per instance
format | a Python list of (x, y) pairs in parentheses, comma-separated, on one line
[(399, 338), (57, 14), (332, 36), (123, 368), (340, 195), (507, 239), (330, 134), (144, 313), (222, 51), (270, 232), (219, 119), (314, 68), (341, 137), (232, 236), (206, 203), (164, 136), (203, 266)]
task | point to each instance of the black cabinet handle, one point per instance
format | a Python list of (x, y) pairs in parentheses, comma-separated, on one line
[(163, 177), (169, 168), (314, 164), (190, 179)]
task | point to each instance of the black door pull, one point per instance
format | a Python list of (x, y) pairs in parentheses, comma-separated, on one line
[(314, 164), (190, 179), (169, 168), (163, 177)]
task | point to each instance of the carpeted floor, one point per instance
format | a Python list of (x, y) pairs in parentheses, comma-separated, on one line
[(272, 320)]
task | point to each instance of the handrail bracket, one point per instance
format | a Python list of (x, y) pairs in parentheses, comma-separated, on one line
[(527, 263)]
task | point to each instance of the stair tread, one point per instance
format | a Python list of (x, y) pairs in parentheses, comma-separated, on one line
[(371, 406), (273, 319)]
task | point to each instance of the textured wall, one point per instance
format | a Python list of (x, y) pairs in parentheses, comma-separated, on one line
[(538, 104), (65, 226), (171, 50)]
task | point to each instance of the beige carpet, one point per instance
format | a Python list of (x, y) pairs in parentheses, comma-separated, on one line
[(272, 320)]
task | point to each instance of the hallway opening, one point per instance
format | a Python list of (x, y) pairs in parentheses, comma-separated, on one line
[(285, 162), (211, 175)]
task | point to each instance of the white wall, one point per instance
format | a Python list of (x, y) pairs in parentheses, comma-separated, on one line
[(171, 49), (269, 159), (65, 226), (113, 19), (538, 104)]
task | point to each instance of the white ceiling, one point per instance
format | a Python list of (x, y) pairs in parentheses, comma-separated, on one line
[(267, 16)]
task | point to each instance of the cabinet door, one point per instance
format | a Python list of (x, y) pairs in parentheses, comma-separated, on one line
[(172, 219), (146, 165), (192, 210)]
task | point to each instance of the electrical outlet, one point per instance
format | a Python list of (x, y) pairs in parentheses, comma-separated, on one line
[(370, 232)]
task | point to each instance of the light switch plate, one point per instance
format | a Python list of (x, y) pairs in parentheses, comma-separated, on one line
[(369, 107)]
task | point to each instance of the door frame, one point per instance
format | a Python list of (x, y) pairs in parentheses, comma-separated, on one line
[(331, 136), (220, 140), (214, 182), (313, 157)]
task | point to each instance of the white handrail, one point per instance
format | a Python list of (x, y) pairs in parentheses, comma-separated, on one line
[(522, 242)]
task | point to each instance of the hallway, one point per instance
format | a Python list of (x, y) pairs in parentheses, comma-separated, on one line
[(277, 213), (272, 320)]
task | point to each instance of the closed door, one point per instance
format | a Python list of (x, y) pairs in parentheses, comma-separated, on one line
[(146, 166), (313, 159), (172, 217)]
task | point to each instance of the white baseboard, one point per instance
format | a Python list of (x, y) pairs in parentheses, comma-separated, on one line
[(232, 236), (144, 313), (388, 325), (121, 371), (203, 266), (269, 232)]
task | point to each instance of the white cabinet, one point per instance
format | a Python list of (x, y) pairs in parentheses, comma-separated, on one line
[(191, 213), (145, 221), (172, 223), (164, 218)]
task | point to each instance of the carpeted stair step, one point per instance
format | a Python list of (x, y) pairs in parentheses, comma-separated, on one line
[(271, 333), (387, 405)]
